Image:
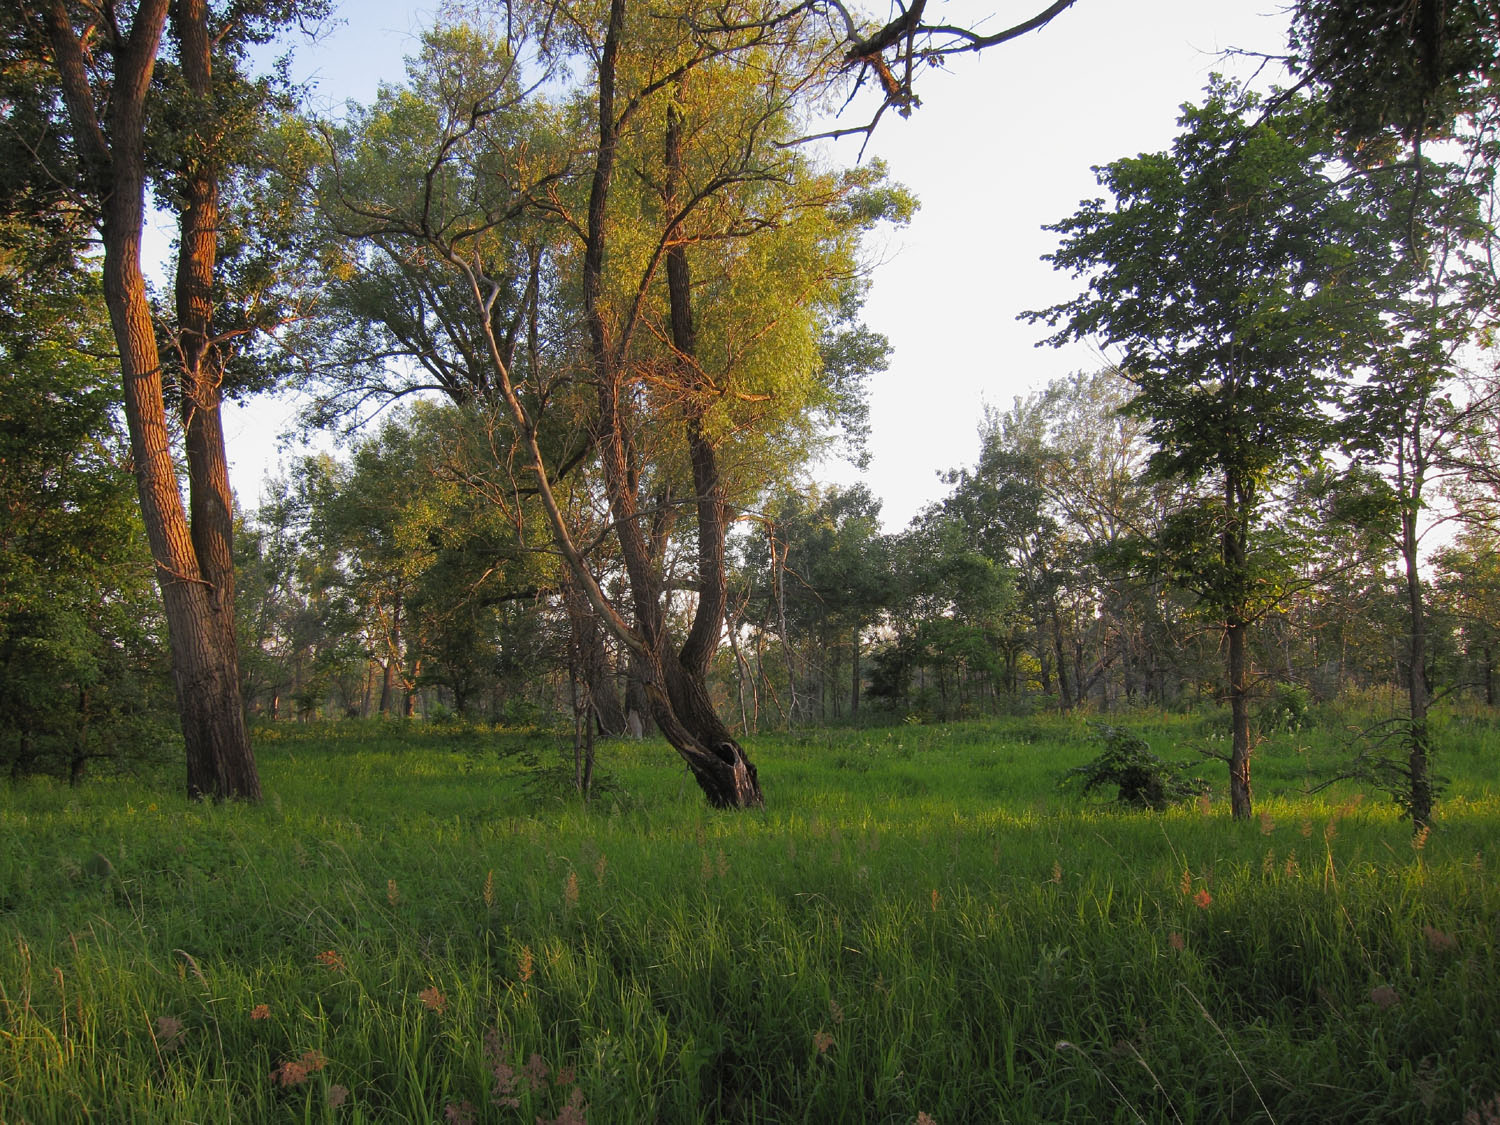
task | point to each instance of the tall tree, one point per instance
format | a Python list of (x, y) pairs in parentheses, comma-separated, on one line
[(103, 59), (1228, 272), (1395, 77), (704, 281)]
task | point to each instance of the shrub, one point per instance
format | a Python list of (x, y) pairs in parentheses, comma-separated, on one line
[(1141, 779)]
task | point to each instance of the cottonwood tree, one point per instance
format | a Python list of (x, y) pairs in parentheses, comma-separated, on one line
[(708, 258), (155, 89), (1230, 272)]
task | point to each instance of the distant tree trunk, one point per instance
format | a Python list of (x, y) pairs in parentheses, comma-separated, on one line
[(594, 665), (854, 674), (387, 685), (197, 605), (1064, 691), (1235, 545), (1419, 741)]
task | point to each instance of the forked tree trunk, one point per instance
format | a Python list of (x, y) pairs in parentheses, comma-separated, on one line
[(675, 684), (112, 152)]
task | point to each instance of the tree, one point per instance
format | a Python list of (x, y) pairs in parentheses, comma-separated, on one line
[(111, 95), (704, 281), (816, 577), (1468, 592), (79, 661), (1229, 272), (1395, 77)]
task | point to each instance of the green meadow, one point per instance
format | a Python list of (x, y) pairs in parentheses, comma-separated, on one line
[(421, 924)]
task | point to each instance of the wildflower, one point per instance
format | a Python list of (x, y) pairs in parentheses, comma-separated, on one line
[(295, 1072), (1291, 866), (489, 895), (331, 961), (835, 1011), (536, 1070), (822, 1041), (432, 999), (337, 1095), (1267, 824), (392, 895), (935, 897), (260, 1012), (1056, 871), (1438, 941), (463, 1113), (1203, 900), (1305, 826), (1175, 942), (1185, 884), (925, 1119), (524, 967), (572, 1113), (1419, 837), (570, 890), (505, 1092), (1384, 996), (565, 1077)]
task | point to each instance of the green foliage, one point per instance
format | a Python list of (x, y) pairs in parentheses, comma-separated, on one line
[(1394, 66), (939, 932), (1141, 780), (82, 669)]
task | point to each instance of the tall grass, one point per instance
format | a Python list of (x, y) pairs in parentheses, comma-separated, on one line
[(412, 928)]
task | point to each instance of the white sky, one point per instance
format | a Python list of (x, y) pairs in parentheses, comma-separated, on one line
[(1002, 144)]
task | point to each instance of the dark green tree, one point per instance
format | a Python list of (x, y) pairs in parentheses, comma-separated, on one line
[(1230, 273)]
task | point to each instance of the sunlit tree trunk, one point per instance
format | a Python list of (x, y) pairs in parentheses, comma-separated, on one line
[(204, 658)]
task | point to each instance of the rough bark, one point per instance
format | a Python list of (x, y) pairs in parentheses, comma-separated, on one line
[(113, 159), (227, 768)]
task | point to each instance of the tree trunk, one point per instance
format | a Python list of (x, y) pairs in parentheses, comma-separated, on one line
[(1418, 737), (1239, 719), (675, 686), (1064, 691), (854, 674), (1235, 546), (226, 768), (204, 660)]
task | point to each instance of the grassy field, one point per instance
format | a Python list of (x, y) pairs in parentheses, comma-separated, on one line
[(418, 926)]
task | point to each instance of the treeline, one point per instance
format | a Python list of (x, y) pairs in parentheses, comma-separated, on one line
[(386, 584), (607, 296)]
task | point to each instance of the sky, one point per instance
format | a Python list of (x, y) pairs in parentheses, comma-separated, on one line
[(1002, 144)]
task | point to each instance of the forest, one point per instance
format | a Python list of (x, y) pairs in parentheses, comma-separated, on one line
[(540, 741)]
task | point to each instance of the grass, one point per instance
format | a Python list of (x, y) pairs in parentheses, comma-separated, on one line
[(414, 928)]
